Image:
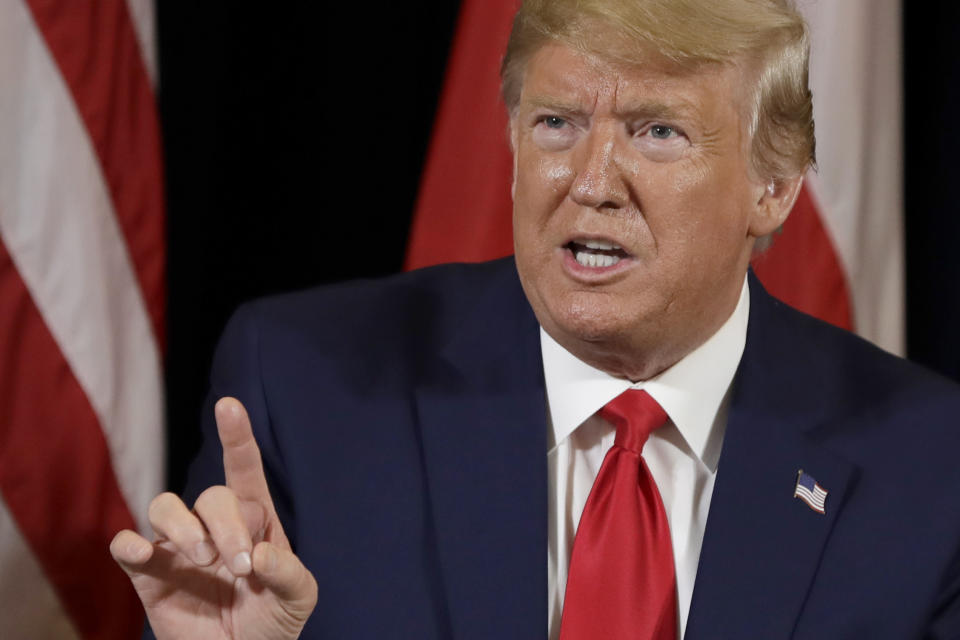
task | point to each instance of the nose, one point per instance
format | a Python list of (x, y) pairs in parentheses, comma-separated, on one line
[(599, 182)]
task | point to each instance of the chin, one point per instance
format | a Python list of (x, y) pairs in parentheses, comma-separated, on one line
[(585, 318)]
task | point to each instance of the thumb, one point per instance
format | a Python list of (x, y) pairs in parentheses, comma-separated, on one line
[(281, 571)]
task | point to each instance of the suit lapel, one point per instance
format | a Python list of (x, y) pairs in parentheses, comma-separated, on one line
[(762, 546), (483, 428)]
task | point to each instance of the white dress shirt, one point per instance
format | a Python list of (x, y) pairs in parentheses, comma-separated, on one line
[(682, 455)]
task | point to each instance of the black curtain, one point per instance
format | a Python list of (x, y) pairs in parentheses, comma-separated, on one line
[(295, 136), (931, 130)]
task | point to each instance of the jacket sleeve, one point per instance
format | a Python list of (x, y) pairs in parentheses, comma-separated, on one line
[(236, 372)]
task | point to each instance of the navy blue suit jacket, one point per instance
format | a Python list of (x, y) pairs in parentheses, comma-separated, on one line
[(402, 423)]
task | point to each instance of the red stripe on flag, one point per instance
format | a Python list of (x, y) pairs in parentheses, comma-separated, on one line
[(463, 211), (55, 471), (802, 267), (96, 49)]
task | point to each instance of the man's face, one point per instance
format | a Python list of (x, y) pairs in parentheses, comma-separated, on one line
[(634, 208)]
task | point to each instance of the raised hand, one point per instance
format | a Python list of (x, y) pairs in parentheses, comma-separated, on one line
[(225, 569)]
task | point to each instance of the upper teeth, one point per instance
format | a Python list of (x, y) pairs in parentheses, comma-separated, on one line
[(595, 259), (599, 244)]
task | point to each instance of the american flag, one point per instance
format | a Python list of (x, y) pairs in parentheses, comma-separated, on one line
[(810, 492), (81, 311)]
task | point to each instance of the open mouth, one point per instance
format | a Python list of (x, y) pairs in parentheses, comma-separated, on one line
[(596, 253)]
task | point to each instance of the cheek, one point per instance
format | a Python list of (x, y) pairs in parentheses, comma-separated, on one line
[(541, 183), (708, 205), (557, 174), (695, 179)]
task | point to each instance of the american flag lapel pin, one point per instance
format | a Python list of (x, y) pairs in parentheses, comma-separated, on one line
[(810, 492)]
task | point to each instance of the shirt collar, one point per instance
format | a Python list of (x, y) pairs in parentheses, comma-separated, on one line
[(691, 391)]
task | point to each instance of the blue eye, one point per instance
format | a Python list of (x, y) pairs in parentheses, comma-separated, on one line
[(661, 131), (554, 122)]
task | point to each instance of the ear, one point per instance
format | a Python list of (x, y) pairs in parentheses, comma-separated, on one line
[(774, 204)]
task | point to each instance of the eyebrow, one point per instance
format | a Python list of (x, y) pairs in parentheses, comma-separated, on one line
[(633, 110), (654, 110), (554, 105)]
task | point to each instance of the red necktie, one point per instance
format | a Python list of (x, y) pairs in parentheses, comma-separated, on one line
[(622, 582)]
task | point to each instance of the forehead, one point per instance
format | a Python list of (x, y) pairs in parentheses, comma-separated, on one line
[(564, 74)]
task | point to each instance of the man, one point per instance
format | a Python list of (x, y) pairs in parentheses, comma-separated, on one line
[(429, 440)]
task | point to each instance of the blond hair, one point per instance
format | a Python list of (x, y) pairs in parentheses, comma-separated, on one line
[(768, 37)]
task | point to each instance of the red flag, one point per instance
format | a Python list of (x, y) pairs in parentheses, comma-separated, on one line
[(463, 212), (802, 267), (82, 290)]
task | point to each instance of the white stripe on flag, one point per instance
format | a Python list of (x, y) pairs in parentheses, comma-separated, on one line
[(855, 75), (24, 590), (57, 221), (814, 501), (144, 23)]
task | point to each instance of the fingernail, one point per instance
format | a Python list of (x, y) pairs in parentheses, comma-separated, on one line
[(242, 564), (204, 553)]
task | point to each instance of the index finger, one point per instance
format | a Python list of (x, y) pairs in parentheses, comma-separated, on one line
[(242, 464)]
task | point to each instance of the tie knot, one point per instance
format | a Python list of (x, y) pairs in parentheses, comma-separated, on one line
[(635, 415)]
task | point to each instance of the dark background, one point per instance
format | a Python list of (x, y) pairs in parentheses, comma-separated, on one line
[(295, 136)]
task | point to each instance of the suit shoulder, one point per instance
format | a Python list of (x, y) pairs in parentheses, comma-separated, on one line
[(406, 300), (365, 323), (867, 358), (846, 370)]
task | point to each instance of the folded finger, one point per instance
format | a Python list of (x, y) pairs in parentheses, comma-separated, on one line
[(171, 520), (219, 510), (131, 551)]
